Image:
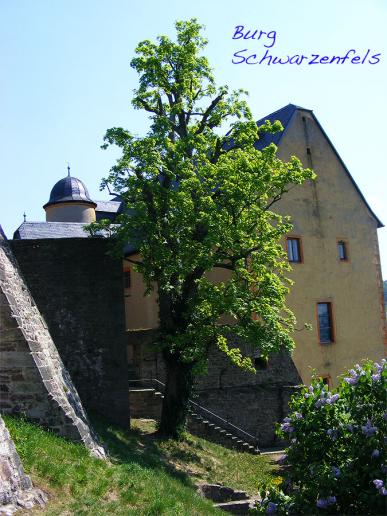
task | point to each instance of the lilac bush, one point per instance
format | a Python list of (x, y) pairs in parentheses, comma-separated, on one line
[(336, 454)]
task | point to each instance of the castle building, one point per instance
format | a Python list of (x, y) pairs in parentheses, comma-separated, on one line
[(333, 251)]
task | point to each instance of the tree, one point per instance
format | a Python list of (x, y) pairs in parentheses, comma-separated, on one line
[(198, 200)]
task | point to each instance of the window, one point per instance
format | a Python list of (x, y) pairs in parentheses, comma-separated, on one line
[(294, 249), (260, 363), (325, 323), (127, 278), (326, 380), (342, 250)]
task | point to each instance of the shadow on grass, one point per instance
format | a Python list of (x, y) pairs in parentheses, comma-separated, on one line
[(136, 446)]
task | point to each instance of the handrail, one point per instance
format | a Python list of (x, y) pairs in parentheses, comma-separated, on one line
[(240, 430)]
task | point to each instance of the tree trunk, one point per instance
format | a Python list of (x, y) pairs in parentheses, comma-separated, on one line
[(177, 393)]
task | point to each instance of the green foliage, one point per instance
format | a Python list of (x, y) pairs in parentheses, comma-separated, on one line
[(199, 200), (143, 476), (337, 452)]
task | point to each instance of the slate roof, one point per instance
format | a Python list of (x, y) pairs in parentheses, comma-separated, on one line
[(69, 189), (36, 230), (109, 206), (284, 115)]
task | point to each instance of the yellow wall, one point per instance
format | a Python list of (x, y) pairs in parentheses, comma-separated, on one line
[(322, 212), (141, 311), (70, 212)]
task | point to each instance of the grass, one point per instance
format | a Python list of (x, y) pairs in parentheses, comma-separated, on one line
[(144, 475)]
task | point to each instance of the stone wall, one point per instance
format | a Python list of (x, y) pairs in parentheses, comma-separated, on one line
[(253, 402), (16, 489), (33, 379), (78, 289)]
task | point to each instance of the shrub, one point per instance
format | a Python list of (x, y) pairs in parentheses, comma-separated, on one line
[(336, 456)]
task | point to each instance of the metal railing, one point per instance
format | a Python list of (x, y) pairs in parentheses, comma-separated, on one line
[(248, 437)]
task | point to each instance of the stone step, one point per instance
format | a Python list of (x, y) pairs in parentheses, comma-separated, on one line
[(236, 507)]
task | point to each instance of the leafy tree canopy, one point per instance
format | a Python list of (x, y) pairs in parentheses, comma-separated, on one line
[(199, 197)]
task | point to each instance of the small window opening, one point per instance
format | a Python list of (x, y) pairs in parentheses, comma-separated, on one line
[(326, 380), (294, 249), (342, 249), (260, 363), (325, 324)]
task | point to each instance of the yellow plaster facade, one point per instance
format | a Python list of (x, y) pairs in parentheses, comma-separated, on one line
[(323, 212), (70, 212)]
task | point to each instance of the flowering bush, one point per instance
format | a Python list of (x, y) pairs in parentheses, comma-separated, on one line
[(336, 457)]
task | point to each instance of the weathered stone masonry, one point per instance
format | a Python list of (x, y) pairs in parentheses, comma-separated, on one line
[(253, 402), (77, 287), (33, 380), (16, 490)]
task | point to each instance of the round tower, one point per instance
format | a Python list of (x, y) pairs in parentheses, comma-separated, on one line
[(70, 202)]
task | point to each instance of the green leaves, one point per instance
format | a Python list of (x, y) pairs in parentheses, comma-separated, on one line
[(199, 204), (337, 444)]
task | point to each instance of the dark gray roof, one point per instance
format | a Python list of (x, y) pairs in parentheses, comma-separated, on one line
[(109, 206), (283, 115), (36, 230), (69, 189)]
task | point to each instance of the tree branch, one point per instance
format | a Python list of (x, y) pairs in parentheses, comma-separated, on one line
[(207, 113)]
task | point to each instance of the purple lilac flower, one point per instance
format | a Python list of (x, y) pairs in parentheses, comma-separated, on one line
[(336, 471), (375, 454), (383, 467), (333, 398), (322, 503), (287, 428), (306, 395), (271, 508), (383, 491), (385, 416), (354, 376), (368, 429), (350, 427), (298, 415), (311, 389), (351, 381), (287, 420), (375, 377), (378, 483), (332, 433)]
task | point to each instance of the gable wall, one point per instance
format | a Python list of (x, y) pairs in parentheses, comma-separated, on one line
[(323, 212)]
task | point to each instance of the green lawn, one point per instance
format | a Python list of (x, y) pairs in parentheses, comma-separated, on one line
[(143, 476)]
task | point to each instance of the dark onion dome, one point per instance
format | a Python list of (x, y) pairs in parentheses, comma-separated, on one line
[(69, 189)]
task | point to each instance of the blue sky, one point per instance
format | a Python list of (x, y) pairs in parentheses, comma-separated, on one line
[(65, 78)]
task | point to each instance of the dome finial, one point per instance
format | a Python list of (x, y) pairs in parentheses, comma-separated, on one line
[(24, 216), (68, 169)]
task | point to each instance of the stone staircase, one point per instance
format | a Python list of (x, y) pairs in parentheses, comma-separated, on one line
[(146, 402)]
